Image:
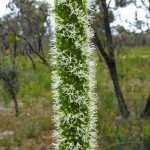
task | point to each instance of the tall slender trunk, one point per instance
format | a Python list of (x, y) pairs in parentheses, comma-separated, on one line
[(30, 57), (16, 104), (15, 48), (146, 112), (109, 56), (110, 61), (113, 71)]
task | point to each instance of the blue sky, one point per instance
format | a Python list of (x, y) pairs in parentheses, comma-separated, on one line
[(126, 14)]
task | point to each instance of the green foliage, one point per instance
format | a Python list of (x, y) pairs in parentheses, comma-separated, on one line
[(6, 98), (37, 81), (146, 136), (115, 133), (12, 38), (10, 80), (31, 129), (9, 76)]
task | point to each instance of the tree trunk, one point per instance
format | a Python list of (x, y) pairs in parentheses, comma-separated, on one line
[(113, 71), (146, 112), (110, 61), (15, 48), (32, 61), (16, 104), (33, 50)]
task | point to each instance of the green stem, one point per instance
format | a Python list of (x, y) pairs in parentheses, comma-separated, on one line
[(74, 77)]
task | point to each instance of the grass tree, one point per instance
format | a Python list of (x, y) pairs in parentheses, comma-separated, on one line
[(73, 76)]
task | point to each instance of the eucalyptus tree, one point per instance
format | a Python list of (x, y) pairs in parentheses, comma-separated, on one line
[(106, 45), (32, 17), (73, 76)]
